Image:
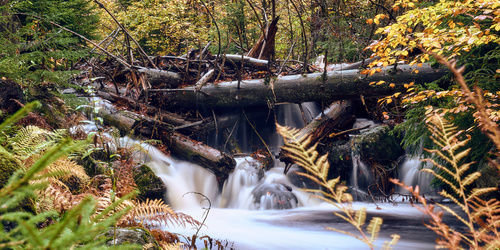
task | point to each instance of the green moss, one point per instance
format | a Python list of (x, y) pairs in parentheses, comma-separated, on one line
[(378, 144), (150, 186), (8, 165)]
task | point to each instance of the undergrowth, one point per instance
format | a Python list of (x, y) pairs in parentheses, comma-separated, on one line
[(50, 202)]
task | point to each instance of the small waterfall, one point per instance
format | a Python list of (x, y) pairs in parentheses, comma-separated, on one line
[(411, 174), (359, 183), (237, 190)]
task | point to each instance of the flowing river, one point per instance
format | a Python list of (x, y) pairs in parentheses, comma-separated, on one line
[(257, 209), (265, 210)]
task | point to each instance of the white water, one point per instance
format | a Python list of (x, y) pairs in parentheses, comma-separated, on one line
[(239, 217), (410, 172), (236, 218)]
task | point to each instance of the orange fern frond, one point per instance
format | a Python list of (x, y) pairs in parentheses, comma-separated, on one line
[(151, 212)]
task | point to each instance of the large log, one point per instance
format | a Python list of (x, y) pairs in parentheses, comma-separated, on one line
[(157, 75), (181, 146), (337, 116), (323, 124), (338, 85)]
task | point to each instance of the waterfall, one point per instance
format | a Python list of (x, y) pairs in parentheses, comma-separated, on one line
[(359, 183), (411, 174)]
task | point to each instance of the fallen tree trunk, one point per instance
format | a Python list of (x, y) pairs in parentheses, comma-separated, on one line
[(181, 146), (176, 121), (336, 114), (250, 61), (337, 85), (157, 75)]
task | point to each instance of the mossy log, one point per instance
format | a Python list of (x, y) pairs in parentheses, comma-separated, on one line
[(334, 85), (180, 145)]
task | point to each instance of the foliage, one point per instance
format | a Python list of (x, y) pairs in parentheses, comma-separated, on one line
[(444, 31), (78, 227), (160, 26), (447, 28), (299, 149), (32, 49), (481, 217)]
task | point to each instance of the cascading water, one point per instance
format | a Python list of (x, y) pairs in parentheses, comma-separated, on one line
[(244, 211), (360, 174), (410, 172)]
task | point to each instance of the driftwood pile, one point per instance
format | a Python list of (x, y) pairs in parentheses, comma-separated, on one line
[(167, 96)]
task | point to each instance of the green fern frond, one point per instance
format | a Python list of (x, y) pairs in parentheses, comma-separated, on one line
[(32, 140)]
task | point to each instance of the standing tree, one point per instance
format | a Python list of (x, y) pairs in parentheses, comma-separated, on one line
[(32, 50)]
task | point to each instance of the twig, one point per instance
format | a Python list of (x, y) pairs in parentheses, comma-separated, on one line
[(303, 35), (216, 27), (126, 33), (256, 132), (347, 131), (231, 133), (205, 214)]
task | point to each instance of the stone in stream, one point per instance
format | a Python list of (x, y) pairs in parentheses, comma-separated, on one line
[(377, 144), (137, 236), (274, 196), (150, 186)]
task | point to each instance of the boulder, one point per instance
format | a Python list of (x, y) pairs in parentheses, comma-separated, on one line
[(150, 186), (274, 196), (136, 236)]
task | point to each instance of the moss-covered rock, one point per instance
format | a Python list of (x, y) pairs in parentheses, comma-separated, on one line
[(377, 144), (150, 186), (339, 156), (135, 236), (8, 165)]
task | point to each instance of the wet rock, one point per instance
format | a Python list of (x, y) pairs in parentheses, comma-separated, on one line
[(137, 236), (274, 196), (150, 186), (377, 144), (339, 156)]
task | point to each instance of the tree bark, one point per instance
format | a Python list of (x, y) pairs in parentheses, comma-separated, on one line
[(157, 75), (181, 146), (337, 85), (250, 61), (336, 114)]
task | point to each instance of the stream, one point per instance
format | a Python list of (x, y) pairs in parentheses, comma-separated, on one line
[(257, 209), (265, 210)]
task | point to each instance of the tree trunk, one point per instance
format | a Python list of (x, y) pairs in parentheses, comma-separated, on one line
[(336, 114), (338, 85)]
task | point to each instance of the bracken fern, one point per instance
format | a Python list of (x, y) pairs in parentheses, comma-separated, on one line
[(482, 218), (302, 151)]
